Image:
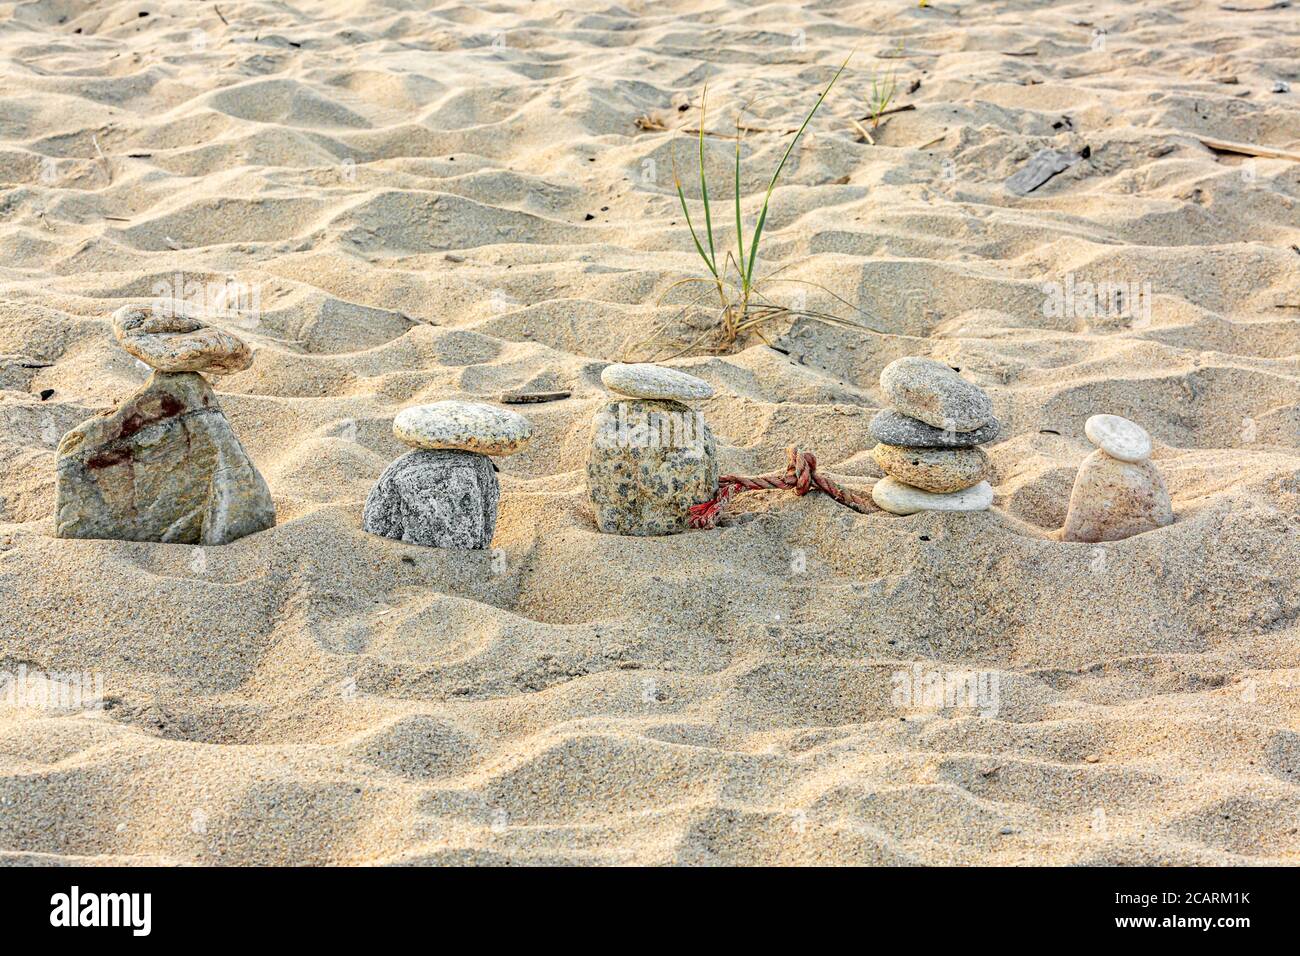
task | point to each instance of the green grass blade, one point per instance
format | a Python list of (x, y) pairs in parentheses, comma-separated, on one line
[(681, 198), (753, 250), (704, 185), (740, 232), (762, 217)]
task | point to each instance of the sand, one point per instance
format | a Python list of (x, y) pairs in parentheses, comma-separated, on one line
[(459, 202)]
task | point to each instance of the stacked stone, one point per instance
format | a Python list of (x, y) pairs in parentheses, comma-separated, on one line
[(1118, 491), (165, 465), (929, 440), (652, 457), (445, 493)]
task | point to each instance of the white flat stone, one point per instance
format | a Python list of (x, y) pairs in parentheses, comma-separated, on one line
[(469, 426), (1118, 437), (643, 380), (900, 499)]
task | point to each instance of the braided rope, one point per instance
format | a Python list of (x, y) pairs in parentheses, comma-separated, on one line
[(800, 476)]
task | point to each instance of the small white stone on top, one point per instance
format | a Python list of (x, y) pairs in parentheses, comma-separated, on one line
[(1118, 437)]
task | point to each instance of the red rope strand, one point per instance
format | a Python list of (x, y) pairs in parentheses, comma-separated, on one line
[(801, 476)]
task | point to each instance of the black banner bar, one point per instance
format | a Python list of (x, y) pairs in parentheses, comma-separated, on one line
[(333, 906)]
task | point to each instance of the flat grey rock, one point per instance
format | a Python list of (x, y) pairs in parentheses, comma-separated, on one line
[(649, 462), (900, 499), (932, 392), (174, 341), (894, 428), (466, 426), (1044, 164), (441, 498), (164, 466), (654, 382)]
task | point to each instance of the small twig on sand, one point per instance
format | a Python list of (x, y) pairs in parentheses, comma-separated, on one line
[(108, 167), (893, 109), (1279, 5), (220, 14), (866, 135), (532, 398), (1249, 149), (742, 129)]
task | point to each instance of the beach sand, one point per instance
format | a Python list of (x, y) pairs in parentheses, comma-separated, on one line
[(460, 202)]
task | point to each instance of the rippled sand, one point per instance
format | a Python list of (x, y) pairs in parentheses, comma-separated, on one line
[(460, 202)]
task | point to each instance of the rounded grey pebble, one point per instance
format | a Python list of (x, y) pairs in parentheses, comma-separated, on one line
[(890, 427), (654, 382), (934, 393), (440, 499), (462, 426)]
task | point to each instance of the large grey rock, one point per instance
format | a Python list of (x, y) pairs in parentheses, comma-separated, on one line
[(165, 466), (894, 428), (444, 498), (649, 462), (174, 342), (1115, 499), (931, 391)]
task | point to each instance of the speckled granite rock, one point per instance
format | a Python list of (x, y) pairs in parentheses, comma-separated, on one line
[(900, 499), (654, 382), (894, 428), (1118, 437), (178, 343), (933, 469), (932, 392), (442, 498), (649, 462), (165, 466), (467, 426), (1115, 499)]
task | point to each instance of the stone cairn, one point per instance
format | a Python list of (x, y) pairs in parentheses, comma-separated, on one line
[(929, 440), (445, 493), (652, 457), (1118, 492), (164, 465)]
